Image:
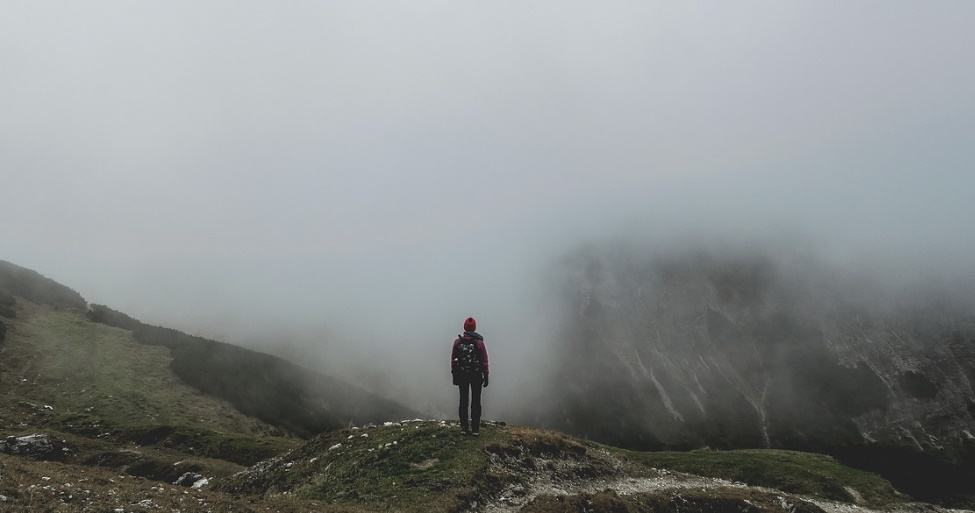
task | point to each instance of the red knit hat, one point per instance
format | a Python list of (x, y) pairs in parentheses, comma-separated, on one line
[(470, 324)]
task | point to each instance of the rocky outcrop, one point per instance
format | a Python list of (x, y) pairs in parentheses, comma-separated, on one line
[(36, 446), (192, 480), (746, 351)]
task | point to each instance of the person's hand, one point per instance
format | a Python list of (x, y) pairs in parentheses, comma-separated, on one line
[(485, 381)]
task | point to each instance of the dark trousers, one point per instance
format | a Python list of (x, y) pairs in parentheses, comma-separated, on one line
[(470, 389)]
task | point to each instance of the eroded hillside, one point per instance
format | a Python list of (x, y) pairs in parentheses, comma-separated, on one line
[(744, 350)]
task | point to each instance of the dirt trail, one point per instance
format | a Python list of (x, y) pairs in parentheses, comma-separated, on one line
[(600, 471)]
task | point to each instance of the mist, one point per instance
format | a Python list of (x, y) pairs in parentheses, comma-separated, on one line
[(343, 184)]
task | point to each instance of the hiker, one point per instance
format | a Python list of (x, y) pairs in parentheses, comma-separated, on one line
[(469, 367)]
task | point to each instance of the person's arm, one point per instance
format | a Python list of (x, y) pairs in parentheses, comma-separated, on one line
[(485, 368), (482, 349)]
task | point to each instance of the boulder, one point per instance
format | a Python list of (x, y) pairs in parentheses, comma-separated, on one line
[(37, 445), (192, 480)]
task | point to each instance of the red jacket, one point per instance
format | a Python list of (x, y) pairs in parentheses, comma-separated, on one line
[(482, 353)]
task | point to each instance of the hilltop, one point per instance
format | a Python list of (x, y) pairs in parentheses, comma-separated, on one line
[(422, 465)]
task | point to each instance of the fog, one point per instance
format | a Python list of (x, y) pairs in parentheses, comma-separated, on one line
[(344, 183)]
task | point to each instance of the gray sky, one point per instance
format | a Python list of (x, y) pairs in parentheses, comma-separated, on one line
[(367, 174)]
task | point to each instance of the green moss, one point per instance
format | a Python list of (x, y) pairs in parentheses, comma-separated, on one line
[(416, 466)]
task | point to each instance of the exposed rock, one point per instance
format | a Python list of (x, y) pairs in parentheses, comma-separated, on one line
[(736, 352), (37, 445), (192, 480)]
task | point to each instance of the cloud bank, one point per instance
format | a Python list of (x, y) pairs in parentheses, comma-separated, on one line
[(347, 183)]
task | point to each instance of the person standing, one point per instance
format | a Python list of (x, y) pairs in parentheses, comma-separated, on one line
[(469, 367)]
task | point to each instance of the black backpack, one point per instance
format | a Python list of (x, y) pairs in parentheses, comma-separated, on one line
[(466, 356)]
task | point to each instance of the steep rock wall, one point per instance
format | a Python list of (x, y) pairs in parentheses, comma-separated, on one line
[(745, 352)]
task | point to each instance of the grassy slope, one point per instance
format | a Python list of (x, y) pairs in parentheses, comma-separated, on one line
[(87, 370), (275, 390), (430, 467), (61, 372), (79, 367), (40, 486), (414, 467), (795, 472)]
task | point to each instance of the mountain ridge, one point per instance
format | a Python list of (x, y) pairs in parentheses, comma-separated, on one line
[(280, 392), (85, 433), (750, 349), (259, 384), (96, 419)]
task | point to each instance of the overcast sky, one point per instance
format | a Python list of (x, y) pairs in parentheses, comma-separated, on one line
[(380, 170)]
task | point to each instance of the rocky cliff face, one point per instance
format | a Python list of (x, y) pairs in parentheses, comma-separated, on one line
[(745, 351)]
